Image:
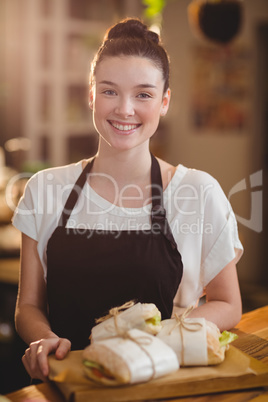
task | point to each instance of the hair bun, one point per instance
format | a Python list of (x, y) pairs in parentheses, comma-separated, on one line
[(132, 28)]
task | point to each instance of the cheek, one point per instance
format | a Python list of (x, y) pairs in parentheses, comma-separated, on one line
[(152, 116), (150, 110), (101, 107)]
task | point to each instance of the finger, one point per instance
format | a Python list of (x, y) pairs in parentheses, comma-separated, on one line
[(63, 348), (43, 363), (44, 349), (32, 373), (26, 365), (30, 354)]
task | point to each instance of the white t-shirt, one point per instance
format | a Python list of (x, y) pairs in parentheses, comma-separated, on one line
[(199, 214)]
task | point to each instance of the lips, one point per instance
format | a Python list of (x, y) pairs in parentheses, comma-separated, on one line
[(124, 127)]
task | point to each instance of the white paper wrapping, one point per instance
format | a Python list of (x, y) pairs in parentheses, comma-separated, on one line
[(133, 317), (191, 337), (161, 360)]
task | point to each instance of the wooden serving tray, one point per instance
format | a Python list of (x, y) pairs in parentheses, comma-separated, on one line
[(238, 371)]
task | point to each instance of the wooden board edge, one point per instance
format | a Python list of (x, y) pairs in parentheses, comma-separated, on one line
[(224, 384)]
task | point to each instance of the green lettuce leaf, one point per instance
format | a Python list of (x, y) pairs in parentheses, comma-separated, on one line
[(227, 337), (155, 320), (91, 364)]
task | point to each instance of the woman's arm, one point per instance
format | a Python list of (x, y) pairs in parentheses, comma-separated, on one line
[(31, 314), (223, 300)]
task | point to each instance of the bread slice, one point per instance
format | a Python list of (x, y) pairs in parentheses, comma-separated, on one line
[(110, 368), (216, 352)]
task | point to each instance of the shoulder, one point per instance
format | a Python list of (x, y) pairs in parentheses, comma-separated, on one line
[(191, 186), (184, 178), (57, 175), (190, 182), (185, 175), (197, 177), (198, 180)]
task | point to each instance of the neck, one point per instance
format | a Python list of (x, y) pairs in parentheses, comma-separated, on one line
[(129, 166)]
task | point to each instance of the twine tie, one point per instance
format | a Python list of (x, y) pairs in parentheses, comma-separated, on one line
[(188, 326), (141, 341)]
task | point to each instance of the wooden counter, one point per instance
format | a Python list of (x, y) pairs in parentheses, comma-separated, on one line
[(253, 340)]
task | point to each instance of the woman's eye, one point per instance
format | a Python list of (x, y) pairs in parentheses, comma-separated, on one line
[(109, 92), (144, 95)]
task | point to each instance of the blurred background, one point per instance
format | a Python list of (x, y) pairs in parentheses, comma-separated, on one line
[(217, 122)]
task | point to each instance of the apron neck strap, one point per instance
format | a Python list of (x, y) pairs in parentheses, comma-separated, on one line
[(74, 194), (158, 213), (156, 183)]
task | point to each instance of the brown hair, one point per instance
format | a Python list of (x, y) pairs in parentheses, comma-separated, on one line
[(131, 37)]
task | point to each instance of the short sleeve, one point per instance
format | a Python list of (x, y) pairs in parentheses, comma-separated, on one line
[(24, 218)]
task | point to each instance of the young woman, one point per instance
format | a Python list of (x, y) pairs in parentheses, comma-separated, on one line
[(122, 225)]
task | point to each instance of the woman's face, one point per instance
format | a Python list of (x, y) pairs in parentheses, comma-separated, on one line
[(127, 100)]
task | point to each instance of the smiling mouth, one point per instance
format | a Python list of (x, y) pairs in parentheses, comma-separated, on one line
[(124, 127)]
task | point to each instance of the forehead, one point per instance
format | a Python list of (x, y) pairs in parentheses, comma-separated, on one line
[(131, 69)]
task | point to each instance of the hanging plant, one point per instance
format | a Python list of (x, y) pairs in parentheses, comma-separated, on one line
[(154, 8), (216, 20)]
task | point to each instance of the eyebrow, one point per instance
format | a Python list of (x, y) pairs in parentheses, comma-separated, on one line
[(137, 86)]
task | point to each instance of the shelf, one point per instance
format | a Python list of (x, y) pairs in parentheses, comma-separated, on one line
[(61, 38)]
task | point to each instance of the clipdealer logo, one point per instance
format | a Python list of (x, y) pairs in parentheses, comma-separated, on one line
[(255, 221), (255, 181)]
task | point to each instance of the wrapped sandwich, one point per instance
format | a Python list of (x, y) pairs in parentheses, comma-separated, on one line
[(196, 341), (135, 357), (143, 316)]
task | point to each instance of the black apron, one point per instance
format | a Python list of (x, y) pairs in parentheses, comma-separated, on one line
[(88, 273)]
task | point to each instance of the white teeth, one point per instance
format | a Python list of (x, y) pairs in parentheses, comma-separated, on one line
[(125, 127)]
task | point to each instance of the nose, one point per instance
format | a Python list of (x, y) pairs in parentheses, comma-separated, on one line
[(124, 107)]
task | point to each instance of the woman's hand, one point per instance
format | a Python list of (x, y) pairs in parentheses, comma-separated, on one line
[(35, 357)]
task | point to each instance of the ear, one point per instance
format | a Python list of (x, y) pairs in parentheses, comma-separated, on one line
[(165, 102)]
